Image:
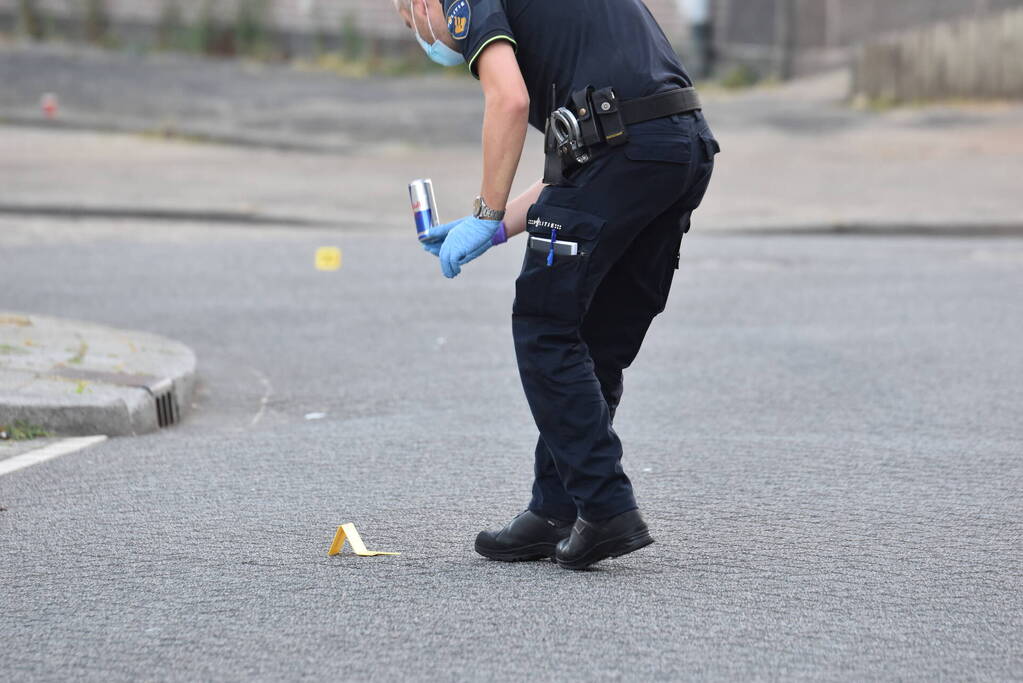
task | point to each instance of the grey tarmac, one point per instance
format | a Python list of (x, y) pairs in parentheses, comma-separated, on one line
[(796, 156), (823, 433)]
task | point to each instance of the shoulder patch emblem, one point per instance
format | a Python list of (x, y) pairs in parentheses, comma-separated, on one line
[(458, 19)]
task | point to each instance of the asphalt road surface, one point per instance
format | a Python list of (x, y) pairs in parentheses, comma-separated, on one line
[(236, 100), (795, 155), (824, 434)]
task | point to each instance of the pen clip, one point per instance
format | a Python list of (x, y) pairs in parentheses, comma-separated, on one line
[(550, 254)]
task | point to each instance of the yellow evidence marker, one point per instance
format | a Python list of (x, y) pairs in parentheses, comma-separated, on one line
[(328, 258), (348, 531)]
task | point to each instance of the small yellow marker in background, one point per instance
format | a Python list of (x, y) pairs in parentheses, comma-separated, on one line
[(328, 258), (348, 531)]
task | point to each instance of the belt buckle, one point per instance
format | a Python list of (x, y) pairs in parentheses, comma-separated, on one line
[(568, 136)]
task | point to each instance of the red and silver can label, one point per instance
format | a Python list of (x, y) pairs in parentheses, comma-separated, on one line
[(424, 206)]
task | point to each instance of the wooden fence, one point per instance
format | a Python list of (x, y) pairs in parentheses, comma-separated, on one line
[(972, 58)]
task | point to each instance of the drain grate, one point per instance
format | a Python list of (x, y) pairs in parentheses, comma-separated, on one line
[(166, 409), (167, 412)]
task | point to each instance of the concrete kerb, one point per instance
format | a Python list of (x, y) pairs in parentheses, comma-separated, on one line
[(75, 378), (195, 133), (214, 216)]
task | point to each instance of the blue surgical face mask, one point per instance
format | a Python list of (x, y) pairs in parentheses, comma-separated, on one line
[(438, 51)]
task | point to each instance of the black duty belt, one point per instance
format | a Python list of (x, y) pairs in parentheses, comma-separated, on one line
[(594, 118), (658, 106)]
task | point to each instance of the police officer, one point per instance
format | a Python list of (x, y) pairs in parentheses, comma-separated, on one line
[(629, 157)]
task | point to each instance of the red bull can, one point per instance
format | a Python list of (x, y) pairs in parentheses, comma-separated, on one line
[(424, 206)]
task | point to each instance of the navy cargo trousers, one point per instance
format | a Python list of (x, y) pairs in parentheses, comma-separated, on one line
[(580, 321)]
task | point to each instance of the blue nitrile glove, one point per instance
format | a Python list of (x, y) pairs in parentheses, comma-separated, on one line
[(437, 235), (466, 240)]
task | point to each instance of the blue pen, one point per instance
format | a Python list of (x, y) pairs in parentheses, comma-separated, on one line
[(550, 254)]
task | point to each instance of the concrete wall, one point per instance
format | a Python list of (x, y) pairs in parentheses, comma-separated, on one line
[(981, 57), (786, 37)]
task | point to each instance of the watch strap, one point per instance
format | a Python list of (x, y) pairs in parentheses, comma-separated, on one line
[(484, 212)]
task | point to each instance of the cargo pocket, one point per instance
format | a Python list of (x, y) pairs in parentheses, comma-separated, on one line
[(674, 150), (557, 290)]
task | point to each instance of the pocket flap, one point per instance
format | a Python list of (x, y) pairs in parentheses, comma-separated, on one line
[(710, 144), (542, 218), (676, 151)]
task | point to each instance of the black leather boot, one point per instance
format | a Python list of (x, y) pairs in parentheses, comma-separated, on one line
[(595, 541), (527, 537)]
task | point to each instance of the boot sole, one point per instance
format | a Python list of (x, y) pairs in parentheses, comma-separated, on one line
[(527, 553), (602, 552)]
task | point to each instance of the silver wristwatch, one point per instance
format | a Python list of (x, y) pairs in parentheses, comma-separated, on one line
[(483, 212)]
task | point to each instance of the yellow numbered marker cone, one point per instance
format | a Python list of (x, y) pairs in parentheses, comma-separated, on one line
[(328, 258), (348, 531)]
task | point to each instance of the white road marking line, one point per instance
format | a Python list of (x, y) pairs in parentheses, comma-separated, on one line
[(267, 391), (48, 452)]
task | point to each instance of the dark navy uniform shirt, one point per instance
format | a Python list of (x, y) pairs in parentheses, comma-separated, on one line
[(571, 44)]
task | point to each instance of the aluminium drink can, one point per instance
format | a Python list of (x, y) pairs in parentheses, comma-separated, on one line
[(424, 206)]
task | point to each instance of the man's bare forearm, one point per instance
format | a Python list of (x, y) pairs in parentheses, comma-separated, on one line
[(504, 134), (505, 118), (515, 218)]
